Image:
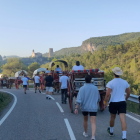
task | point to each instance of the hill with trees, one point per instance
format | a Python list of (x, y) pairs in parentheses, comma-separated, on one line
[(96, 43)]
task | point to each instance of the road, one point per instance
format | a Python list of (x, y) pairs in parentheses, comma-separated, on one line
[(36, 118)]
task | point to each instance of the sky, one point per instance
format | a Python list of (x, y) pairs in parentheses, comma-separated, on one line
[(42, 24)]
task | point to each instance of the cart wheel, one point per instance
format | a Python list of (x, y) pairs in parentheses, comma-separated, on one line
[(57, 90)]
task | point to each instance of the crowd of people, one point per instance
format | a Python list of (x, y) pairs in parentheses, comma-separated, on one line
[(89, 97)]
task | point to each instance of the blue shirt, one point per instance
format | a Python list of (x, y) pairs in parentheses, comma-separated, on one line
[(25, 81)]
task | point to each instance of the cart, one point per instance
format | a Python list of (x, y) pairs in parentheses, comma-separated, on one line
[(77, 79), (56, 74), (42, 76), (18, 78), (4, 82)]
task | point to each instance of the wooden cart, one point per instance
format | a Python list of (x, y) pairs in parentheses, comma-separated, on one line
[(77, 79)]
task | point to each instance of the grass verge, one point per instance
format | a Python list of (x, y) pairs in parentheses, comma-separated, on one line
[(133, 107), (5, 99)]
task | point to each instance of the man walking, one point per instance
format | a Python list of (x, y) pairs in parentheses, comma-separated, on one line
[(37, 82), (25, 83), (88, 98), (63, 86), (49, 85), (117, 104)]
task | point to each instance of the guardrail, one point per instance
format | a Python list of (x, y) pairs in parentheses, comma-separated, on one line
[(133, 98)]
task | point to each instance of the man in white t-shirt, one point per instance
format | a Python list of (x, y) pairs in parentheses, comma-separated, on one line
[(37, 82), (25, 83), (117, 104), (47, 71), (78, 66), (64, 88), (58, 69)]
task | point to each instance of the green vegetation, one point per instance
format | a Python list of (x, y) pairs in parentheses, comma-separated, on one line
[(133, 107), (125, 56), (12, 66), (32, 68), (5, 99), (98, 42)]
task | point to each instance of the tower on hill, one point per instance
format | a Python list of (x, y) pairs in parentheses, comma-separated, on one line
[(50, 52)]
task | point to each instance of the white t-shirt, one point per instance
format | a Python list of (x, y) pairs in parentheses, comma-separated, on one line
[(37, 78), (80, 67), (58, 69), (118, 87), (63, 81), (47, 71), (25, 80)]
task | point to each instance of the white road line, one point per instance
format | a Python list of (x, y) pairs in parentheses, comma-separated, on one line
[(59, 107), (133, 118), (72, 137), (10, 110), (52, 97)]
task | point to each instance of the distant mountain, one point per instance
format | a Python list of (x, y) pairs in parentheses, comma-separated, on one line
[(11, 56), (95, 43)]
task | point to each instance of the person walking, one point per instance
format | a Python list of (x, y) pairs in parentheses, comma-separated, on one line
[(63, 86), (88, 97), (117, 104), (25, 83), (49, 85), (37, 82)]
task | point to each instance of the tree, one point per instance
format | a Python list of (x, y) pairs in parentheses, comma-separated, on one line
[(32, 68), (12, 66)]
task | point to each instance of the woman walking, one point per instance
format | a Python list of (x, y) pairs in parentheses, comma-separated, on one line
[(88, 97)]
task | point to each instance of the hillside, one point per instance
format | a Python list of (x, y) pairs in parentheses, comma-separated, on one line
[(95, 43), (125, 56)]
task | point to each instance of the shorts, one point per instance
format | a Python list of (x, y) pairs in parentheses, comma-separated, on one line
[(49, 89), (117, 107), (37, 84), (90, 113), (24, 86)]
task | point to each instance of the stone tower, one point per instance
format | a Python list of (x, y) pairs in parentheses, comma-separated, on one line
[(50, 52), (33, 53)]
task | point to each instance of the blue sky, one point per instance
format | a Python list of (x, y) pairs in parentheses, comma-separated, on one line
[(42, 24)]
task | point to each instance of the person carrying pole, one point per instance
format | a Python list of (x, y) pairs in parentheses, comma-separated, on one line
[(117, 104)]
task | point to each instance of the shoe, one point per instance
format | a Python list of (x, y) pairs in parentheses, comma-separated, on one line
[(85, 134), (110, 134), (39, 91), (62, 102), (49, 98), (35, 91), (25, 92), (124, 139), (46, 97)]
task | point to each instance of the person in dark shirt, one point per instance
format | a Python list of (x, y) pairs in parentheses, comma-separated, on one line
[(49, 85)]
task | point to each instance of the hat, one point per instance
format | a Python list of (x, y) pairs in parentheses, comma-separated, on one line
[(117, 71)]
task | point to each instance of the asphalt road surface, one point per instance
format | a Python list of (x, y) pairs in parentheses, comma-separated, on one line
[(36, 118)]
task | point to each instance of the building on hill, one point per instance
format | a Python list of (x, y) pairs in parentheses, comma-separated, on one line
[(36, 54), (50, 52)]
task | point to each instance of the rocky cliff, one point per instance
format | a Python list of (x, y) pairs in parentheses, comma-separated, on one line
[(88, 47)]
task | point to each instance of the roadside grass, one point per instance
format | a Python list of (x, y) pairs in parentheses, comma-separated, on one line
[(5, 99), (133, 107)]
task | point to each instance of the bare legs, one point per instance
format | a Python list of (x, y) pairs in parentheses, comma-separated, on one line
[(85, 123), (112, 120), (123, 122), (93, 124)]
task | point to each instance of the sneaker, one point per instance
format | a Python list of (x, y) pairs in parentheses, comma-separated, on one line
[(25, 92), (124, 139), (39, 91), (85, 134), (47, 97), (35, 91), (110, 134)]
